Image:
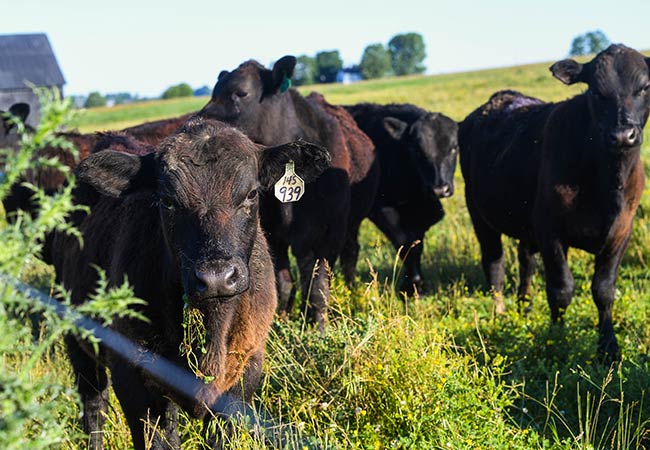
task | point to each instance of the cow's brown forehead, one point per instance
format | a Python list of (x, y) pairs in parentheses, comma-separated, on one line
[(206, 160), (206, 144)]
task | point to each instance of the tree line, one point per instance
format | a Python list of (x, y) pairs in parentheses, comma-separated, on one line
[(403, 55)]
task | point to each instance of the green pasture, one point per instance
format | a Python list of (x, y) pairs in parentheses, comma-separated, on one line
[(438, 371), (456, 95)]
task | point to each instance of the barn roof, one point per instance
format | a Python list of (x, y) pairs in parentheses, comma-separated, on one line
[(28, 57)]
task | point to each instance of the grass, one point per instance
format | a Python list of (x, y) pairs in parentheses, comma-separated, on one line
[(440, 371)]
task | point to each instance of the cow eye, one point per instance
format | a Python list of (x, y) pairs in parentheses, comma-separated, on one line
[(168, 203), (241, 94), (252, 195), (644, 90)]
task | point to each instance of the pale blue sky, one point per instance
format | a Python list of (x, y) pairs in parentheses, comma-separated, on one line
[(144, 46)]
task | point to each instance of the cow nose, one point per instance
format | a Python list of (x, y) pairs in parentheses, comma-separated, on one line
[(443, 191), (224, 282), (625, 137)]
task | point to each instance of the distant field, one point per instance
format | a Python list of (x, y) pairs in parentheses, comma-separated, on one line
[(453, 94), (440, 371)]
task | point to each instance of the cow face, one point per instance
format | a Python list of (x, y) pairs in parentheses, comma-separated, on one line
[(618, 94), (241, 97), (206, 180), (431, 145)]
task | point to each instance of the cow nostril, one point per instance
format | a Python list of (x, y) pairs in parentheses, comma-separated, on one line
[(201, 281), (631, 136), (230, 276), (613, 137), (443, 191)]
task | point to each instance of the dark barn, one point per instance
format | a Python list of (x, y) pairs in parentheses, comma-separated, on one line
[(27, 60)]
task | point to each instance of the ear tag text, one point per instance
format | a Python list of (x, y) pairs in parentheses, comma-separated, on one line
[(289, 188)]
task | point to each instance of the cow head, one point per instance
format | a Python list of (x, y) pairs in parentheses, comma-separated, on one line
[(618, 94), (17, 112), (206, 180), (431, 145), (245, 96)]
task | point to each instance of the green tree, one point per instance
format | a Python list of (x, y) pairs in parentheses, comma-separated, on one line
[(120, 98), (328, 63), (375, 62), (578, 46), (407, 51), (178, 90), (94, 100), (590, 42), (306, 71)]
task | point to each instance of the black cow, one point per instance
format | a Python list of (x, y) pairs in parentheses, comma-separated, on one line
[(560, 175), (417, 159), (182, 225), (259, 102)]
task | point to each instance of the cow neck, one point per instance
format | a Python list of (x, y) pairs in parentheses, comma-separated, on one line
[(279, 124)]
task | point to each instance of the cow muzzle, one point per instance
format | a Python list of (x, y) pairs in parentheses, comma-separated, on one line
[(625, 136), (221, 279), (443, 190)]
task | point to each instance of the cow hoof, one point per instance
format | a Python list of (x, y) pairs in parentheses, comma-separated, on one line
[(412, 285), (499, 306), (608, 352), (525, 306)]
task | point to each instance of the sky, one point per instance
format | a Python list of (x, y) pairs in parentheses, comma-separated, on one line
[(145, 46)]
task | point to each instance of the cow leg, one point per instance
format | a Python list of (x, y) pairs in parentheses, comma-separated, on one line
[(362, 196), (92, 384), (526, 271), (412, 256), (152, 418), (388, 220), (236, 405), (286, 290), (315, 285), (559, 280), (491, 257), (603, 288), (350, 254)]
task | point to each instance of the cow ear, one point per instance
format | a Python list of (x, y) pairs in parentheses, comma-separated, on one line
[(115, 174), (310, 161), (221, 76), (647, 62), (395, 127), (568, 71), (282, 73)]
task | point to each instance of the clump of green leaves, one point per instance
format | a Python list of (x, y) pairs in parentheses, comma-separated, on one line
[(33, 404), (194, 339)]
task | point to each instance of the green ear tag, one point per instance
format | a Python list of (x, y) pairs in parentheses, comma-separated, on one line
[(286, 83)]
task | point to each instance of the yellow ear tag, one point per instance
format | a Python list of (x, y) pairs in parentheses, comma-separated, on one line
[(289, 188)]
